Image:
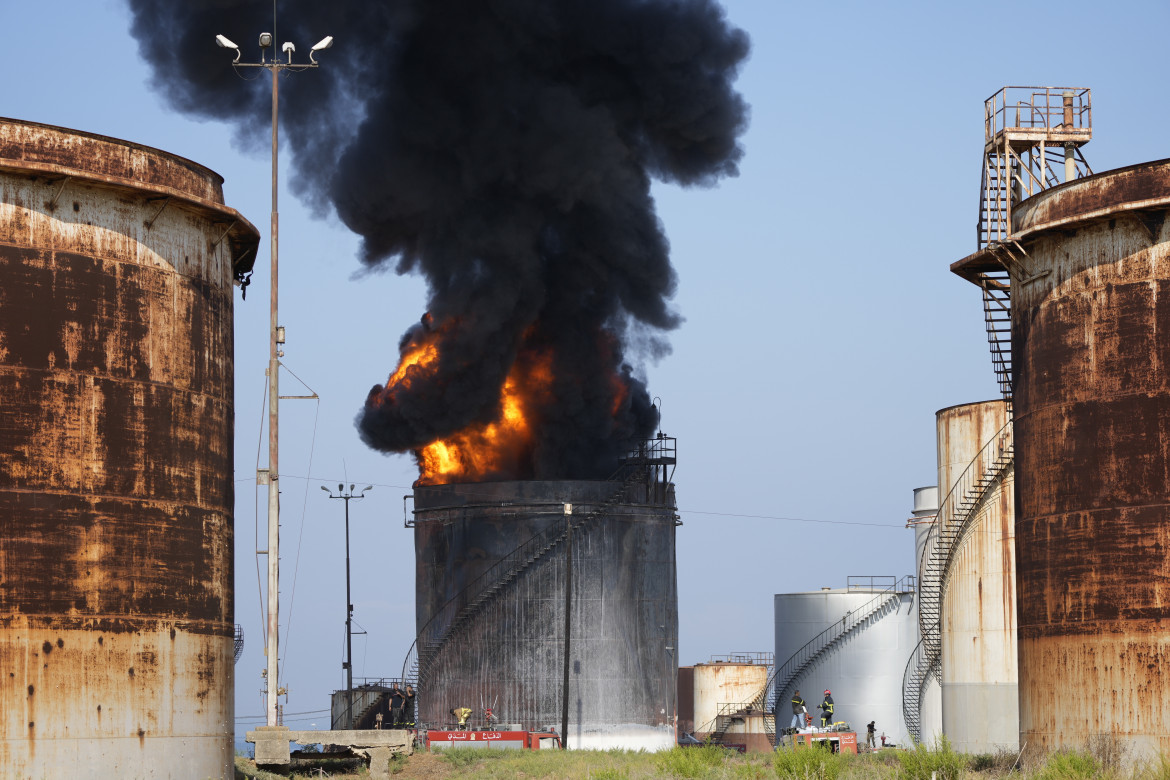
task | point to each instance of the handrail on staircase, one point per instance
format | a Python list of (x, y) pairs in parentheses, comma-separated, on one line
[(953, 521)]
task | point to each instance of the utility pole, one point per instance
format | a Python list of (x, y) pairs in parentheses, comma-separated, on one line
[(348, 664), (568, 623), (271, 475)]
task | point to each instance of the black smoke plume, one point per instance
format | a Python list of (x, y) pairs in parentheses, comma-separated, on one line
[(504, 149)]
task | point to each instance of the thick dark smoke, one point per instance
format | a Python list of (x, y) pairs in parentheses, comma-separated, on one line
[(504, 149)]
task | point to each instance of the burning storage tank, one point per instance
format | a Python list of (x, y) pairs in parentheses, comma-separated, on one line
[(980, 707), (493, 560), (854, 641), (116, 459), (1087, 264)]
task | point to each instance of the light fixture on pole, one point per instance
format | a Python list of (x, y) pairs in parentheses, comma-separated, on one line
[(348, 665), (271, 475)]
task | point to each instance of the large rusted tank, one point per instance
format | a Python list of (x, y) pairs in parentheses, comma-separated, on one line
[(491, 570), (1090, 318), (116, 461), (980, 710)]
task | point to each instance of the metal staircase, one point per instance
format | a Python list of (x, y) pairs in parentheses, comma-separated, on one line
[(1030, 133), (649, 463), (954, 520), (997, 316), (784, 675)]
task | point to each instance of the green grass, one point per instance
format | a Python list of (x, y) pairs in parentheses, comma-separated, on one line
[(924, 763), (716, 763)]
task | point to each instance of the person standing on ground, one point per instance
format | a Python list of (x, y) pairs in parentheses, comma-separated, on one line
[(871, 736), (827, 709), (798, 710), (396, 701)]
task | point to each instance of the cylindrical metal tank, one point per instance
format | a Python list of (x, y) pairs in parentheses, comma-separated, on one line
[(980, 696), (922, 520), (503, 646), (116, 458), (864, 667), (733, 680), (1092, 409)]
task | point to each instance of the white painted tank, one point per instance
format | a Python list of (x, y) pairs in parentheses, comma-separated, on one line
[(980, 696), (864, 667)]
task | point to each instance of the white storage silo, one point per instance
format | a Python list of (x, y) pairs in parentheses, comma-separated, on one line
[(980, 695), (854, 641)]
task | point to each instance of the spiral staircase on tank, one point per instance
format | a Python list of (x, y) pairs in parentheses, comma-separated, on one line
[(955, 518), (651, 463), (783, 676)]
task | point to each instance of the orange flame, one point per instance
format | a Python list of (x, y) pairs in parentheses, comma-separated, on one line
[(498, 447)]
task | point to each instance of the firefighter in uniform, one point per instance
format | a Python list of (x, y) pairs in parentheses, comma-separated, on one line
[(461, 714), (798, 710), (827, 709)]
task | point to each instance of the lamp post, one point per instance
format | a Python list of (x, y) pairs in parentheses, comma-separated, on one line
[(271, 475), (348, 665)]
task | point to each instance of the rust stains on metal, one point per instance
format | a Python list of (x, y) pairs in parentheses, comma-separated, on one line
[(1103, 196), (1092, 407), (115, 454)]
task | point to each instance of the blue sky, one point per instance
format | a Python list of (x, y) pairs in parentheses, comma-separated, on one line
[(823, 328)]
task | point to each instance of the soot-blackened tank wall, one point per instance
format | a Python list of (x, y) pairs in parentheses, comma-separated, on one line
[(509, 654), (116, 462), (1092, 410)]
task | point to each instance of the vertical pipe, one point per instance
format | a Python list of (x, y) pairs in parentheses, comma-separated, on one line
[(568, 625), (1070, 164), (273, 682)]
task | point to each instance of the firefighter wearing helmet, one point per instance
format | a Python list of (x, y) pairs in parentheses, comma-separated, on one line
[(827, 709)]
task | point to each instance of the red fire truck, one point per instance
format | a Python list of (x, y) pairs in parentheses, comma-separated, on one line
[(517, 740)]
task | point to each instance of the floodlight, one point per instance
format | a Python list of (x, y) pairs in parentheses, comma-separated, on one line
[(265, 40), (324, 43)]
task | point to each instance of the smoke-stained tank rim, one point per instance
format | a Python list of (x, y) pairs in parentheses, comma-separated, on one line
[(522, 494), (33, 148)]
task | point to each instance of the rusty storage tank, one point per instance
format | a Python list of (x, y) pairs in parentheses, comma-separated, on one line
[(922, 520), (980, 697), (727, 686), (490, 607), (116, 460), (1091, 375)]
